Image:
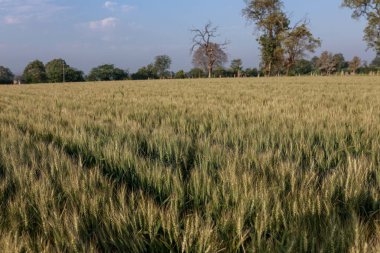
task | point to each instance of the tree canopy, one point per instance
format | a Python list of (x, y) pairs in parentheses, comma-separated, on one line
[(296, 41), (281, 45), (35, 72), (58, 71), (370, 9), (144, 73), (55, 70), (6, 75), (271, 22), (107, 72), (162, 64), (236, 66)]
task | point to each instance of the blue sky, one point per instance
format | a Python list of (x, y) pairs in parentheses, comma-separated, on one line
[(129, 33)]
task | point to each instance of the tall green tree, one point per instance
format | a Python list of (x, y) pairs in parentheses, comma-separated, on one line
[(162, 64), (297, 41), (370, 9), (281, 46), (35, 72), (107, 72), (271, 23), (376, 62), (58, 71), (6, 75)]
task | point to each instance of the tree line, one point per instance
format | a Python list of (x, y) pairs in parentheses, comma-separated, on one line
[(284, 44), (284, 47)]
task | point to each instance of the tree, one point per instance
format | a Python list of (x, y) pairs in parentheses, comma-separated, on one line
[(341, 63), (56, 71), (236, 66), (376, 62), (180, 75), (326, 63), (35, 72), (196, 73), (354, 64), (144, 73), (281, 46), (74, 75), (314, 61), (107, 72), (141, 74), (6, 75), (251, 72), (162, 64), (370, 9), (271, 22), (220, 71), (303, 67), (296, 41), (208, 54), (209, 62)]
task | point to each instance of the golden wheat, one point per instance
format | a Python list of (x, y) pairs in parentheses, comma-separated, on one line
[(220, 165)]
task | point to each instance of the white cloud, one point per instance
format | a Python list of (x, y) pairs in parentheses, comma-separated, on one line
[(110, 5), (21, 11), (104, 24)]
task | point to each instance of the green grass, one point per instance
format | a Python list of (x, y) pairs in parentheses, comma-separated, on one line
[(222, 165)]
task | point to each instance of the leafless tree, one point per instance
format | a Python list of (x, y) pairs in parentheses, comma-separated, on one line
[(208, 62), (206, 53)]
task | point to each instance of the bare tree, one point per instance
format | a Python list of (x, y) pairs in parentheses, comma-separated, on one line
[(211, 61), (208, 54)]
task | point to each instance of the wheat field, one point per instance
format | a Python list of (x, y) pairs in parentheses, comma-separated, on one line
[(220, 165)]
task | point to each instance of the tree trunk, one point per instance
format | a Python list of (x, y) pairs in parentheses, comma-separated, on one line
[(209, 72)]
